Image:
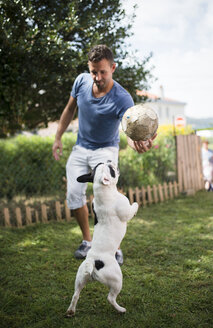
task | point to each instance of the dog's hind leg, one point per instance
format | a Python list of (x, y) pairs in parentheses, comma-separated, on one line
[(113, 293), (111, 276), (71, 309), (115, 287), (83, 276)]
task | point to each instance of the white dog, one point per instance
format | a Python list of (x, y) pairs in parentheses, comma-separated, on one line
[(112, 211)]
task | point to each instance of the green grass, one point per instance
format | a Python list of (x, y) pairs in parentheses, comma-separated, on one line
[(168, 272)]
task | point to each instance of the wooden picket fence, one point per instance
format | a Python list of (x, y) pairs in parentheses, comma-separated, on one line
[(147, 196), (189, 163), (30, 215), (144, 196)]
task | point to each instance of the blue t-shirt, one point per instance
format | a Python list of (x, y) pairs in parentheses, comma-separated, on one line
[(99, 118)]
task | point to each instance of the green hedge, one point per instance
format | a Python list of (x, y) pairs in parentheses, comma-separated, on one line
[(28, 168), (153, 167)]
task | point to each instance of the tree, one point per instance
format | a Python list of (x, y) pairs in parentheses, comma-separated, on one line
[(44, 46)]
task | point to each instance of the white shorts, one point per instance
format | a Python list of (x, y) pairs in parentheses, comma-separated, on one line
[(81, 161)]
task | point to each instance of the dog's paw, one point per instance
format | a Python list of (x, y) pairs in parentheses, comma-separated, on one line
[(121, 309), (135, 206), (69, 314)]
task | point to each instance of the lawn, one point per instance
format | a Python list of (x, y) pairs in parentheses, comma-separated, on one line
[(168, 272)]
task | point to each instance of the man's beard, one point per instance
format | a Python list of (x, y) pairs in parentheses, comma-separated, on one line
[(99, 85)]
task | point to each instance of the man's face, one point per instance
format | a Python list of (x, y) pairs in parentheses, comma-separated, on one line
[(101, 73)]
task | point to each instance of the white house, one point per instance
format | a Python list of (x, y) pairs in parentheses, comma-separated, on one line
[(168, 110)]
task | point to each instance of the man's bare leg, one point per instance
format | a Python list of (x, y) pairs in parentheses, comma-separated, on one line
[(82, 216)]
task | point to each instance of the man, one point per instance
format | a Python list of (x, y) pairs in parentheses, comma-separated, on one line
[(101, 104)]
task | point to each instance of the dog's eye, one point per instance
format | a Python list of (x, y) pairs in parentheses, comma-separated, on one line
[(112, 171)]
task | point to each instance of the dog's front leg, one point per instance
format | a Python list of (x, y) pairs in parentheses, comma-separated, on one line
[(125, 211), (134, 209)]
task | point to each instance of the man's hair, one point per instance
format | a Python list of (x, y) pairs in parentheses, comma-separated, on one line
[(99, 52)]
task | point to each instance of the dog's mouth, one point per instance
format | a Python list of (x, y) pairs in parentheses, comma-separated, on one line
[(105, 181)]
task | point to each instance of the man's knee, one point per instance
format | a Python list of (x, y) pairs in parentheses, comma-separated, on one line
[(75, 201)]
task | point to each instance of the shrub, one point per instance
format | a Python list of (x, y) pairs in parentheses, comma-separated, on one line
[(27, 166), (152, 167), (123, 141)]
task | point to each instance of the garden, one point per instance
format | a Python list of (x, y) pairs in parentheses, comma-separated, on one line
[(167, 272)]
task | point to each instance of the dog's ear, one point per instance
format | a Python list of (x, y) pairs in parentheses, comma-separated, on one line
[(89, 177)]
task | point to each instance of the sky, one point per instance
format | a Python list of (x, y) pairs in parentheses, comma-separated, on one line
[(179, 33)]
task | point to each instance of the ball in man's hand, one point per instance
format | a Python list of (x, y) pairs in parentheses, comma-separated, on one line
[(140, 122)]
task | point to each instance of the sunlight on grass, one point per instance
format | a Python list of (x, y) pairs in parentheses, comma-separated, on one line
[(208, 236), (77, 231), (207, 260), (210, 224), (200, 267), (143, 222), (28, 242)]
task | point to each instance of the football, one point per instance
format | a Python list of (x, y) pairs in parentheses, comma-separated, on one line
[(140, 122)]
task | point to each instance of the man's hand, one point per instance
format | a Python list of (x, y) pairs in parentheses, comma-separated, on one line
[(57, 149), (142, 146)]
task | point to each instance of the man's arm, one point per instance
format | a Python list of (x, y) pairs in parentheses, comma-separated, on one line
[(64, 121), (141, 146)]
